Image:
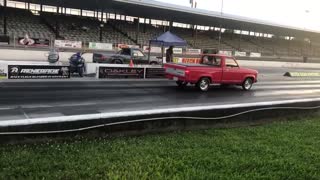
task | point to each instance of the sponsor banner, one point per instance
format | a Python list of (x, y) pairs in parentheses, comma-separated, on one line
[(194, 51), (302, 74), (155, 73), (227, 53), (121, 72), (175, 50), (68, 44), (177, 60), (153, 49), (100, 46), (191, 60), (253, 54), (38, 72), (241, 54), (3, 71), (120, 46), (34, 42)]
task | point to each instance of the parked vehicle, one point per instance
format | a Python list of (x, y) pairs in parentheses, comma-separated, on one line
[(124, 56), (213, 69), (77, 64)]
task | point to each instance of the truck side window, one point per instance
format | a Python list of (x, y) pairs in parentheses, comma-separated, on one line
[(231, 63), (138, 53), (125, 52), (211, 60)]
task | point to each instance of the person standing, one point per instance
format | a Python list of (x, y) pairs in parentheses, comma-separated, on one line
[(169, 54)]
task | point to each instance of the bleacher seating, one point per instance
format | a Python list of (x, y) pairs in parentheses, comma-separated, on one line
[(21, 22), (87, 29)]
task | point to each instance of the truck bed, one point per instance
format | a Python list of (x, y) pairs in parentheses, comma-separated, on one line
[(188, 65)]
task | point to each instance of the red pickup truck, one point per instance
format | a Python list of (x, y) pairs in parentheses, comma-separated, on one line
[(213, 69)]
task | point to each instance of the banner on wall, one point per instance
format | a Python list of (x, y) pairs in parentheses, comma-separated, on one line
[(3, 71), (253, 54), (153, 49), (240, 54), (121, 72), (194, 51), (227, 53), (191, 60), (120, 46), (175, 50), (34, 42), (38, 72), (68, 44), (100, 46)]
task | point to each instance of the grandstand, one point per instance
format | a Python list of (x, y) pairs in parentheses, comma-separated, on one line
[(111, 27)]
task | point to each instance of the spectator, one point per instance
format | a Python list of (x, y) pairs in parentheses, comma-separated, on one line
[(169, 54)]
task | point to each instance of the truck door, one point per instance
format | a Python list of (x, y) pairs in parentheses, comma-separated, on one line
[(139, 57), (215, 71), (231, 74)]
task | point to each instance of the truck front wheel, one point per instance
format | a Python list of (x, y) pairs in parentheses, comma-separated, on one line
[(247, 84), (203, 84)]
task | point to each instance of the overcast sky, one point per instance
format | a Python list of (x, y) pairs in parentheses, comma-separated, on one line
[(286, 12)]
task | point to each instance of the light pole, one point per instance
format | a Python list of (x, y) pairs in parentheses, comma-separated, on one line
[(220, 24)]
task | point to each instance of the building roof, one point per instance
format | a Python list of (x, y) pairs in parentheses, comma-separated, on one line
[(164, 11)]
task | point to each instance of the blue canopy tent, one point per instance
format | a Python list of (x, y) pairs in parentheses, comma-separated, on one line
[(167, 39)]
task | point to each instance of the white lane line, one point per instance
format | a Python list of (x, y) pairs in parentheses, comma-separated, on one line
[(6, 123), (286, 92), (288, 82), (288, 86)]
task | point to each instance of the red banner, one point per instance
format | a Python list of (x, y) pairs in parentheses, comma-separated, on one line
[(191, 60)]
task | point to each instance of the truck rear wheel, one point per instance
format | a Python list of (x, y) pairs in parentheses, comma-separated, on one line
[(203, 84), (247, 84)]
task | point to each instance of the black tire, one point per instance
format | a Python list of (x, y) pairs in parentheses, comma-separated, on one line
[(153, 63), (203, 84), (81, 72), (117, 61), (247, 84), (181, 84)]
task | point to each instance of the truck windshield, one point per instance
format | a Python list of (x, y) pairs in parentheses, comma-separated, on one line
[(211, 60)]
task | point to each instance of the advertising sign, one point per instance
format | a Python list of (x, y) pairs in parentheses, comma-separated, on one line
[(68, 44), (153, 49), (100, 46), (34, 42), (227, 53), (120, 46), (194, 51), (253, 54), (175, 50), (38, 72), (240, 54), (3, 71), (191, 60), (155, 73), (121, 72)]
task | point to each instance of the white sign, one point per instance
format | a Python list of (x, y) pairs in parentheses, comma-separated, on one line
[(68, 44), (100, 46), (120, 46), (175, 50), (241, 54), (253, 54), (153, 49), (194, 51), (227, 53), (3, 71)]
